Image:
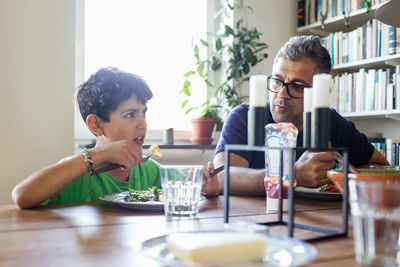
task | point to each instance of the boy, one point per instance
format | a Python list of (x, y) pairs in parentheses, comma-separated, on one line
[(113, 105)]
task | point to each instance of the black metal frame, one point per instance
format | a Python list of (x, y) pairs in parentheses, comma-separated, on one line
[(327, 232)]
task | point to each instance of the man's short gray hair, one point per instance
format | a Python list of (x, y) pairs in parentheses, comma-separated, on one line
[(306, 46)]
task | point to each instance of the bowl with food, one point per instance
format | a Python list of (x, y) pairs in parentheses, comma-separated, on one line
[(373, 173)]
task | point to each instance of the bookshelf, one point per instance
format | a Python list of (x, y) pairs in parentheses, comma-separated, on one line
[(384, 116), (383, 62), (338, 23)]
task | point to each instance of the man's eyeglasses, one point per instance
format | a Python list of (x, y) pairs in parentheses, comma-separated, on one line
[(294, 90)]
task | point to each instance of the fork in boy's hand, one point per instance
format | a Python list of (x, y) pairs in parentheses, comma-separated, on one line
[(113, 166)]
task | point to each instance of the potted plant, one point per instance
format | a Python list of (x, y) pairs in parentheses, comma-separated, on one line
[(208, 111), (233, 53)]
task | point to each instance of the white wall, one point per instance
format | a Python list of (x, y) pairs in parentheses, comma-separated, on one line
[(37, 79), (277, 21), (36, 84)]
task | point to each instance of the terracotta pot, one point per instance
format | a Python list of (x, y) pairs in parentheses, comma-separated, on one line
[(379, 186), (202, 129)]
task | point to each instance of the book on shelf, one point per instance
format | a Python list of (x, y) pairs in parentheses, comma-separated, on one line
[(379, 143), (397, 40), (370, 40), (393, 151), (332, 8), (392, 40), (367, 90), (301, 13), (396, 81)]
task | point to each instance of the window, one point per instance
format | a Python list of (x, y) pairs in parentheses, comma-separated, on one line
[(151, 38)]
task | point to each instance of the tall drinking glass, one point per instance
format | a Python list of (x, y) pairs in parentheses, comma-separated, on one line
[(181, 190), (375, 208)]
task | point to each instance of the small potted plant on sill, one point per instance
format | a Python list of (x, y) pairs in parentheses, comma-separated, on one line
[(208, 111)]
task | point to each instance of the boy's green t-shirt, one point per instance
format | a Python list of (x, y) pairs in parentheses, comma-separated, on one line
[(90, 188)]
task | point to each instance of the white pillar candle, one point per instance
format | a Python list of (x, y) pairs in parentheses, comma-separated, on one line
[(258, 90), (321, 86), (308, 105), (257, 109)]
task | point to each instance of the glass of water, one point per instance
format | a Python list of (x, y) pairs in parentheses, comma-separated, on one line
[(375, 207), (181, 186)]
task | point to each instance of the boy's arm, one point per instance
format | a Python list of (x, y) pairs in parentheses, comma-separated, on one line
[(45, 183)]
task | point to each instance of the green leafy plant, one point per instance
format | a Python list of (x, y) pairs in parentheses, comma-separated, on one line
[(235, 51), (242, 54), (209, 108)]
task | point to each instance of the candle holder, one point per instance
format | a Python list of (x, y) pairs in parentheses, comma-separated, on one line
[(290, 223)]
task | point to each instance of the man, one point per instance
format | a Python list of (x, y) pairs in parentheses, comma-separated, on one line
[(293, 69)]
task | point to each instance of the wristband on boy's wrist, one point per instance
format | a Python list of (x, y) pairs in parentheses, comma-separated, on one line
[(88, 161)]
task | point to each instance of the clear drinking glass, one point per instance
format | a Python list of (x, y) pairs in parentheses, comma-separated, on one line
[(375, 208), (181, 186)]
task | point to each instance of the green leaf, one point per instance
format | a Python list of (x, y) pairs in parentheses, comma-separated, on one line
[(218, 44), (205, 103), (208, 83), (200, 69), (184, 103), (228, 30), (259, 50), (261, 44), (187, 74), (238, 24), (204, 42), (246, 68), (186, 91), (196, 52), (216, 64), (205, 111), (189, 110), (187, 84)]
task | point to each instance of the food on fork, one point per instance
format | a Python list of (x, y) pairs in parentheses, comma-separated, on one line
[(155, 149), (217, 247)]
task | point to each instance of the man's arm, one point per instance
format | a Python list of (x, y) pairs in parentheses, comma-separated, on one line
[(242, 179), (378, 158)]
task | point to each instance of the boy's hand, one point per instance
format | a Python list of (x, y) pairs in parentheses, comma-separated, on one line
[(124, 152), (210, 185)]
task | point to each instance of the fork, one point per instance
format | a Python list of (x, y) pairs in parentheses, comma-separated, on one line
[(217, 170), (339, 158), (113, 166)]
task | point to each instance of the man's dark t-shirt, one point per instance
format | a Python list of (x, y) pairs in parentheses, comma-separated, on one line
[(343, 134)]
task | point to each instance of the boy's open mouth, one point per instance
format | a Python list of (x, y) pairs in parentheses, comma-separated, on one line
[(139, 140)]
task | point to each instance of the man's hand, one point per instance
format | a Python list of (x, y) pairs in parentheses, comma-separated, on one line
[(311, 168), (211, 185)]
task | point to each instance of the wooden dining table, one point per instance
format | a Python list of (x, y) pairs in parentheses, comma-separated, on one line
[(104, 234)]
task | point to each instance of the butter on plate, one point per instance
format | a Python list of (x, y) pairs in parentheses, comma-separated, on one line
[(217, 247)]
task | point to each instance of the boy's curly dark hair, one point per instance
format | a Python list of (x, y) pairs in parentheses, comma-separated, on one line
[(106, 89)]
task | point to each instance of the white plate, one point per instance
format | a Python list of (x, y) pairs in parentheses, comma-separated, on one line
[(313, 193), (281, 251), (118, 198)]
